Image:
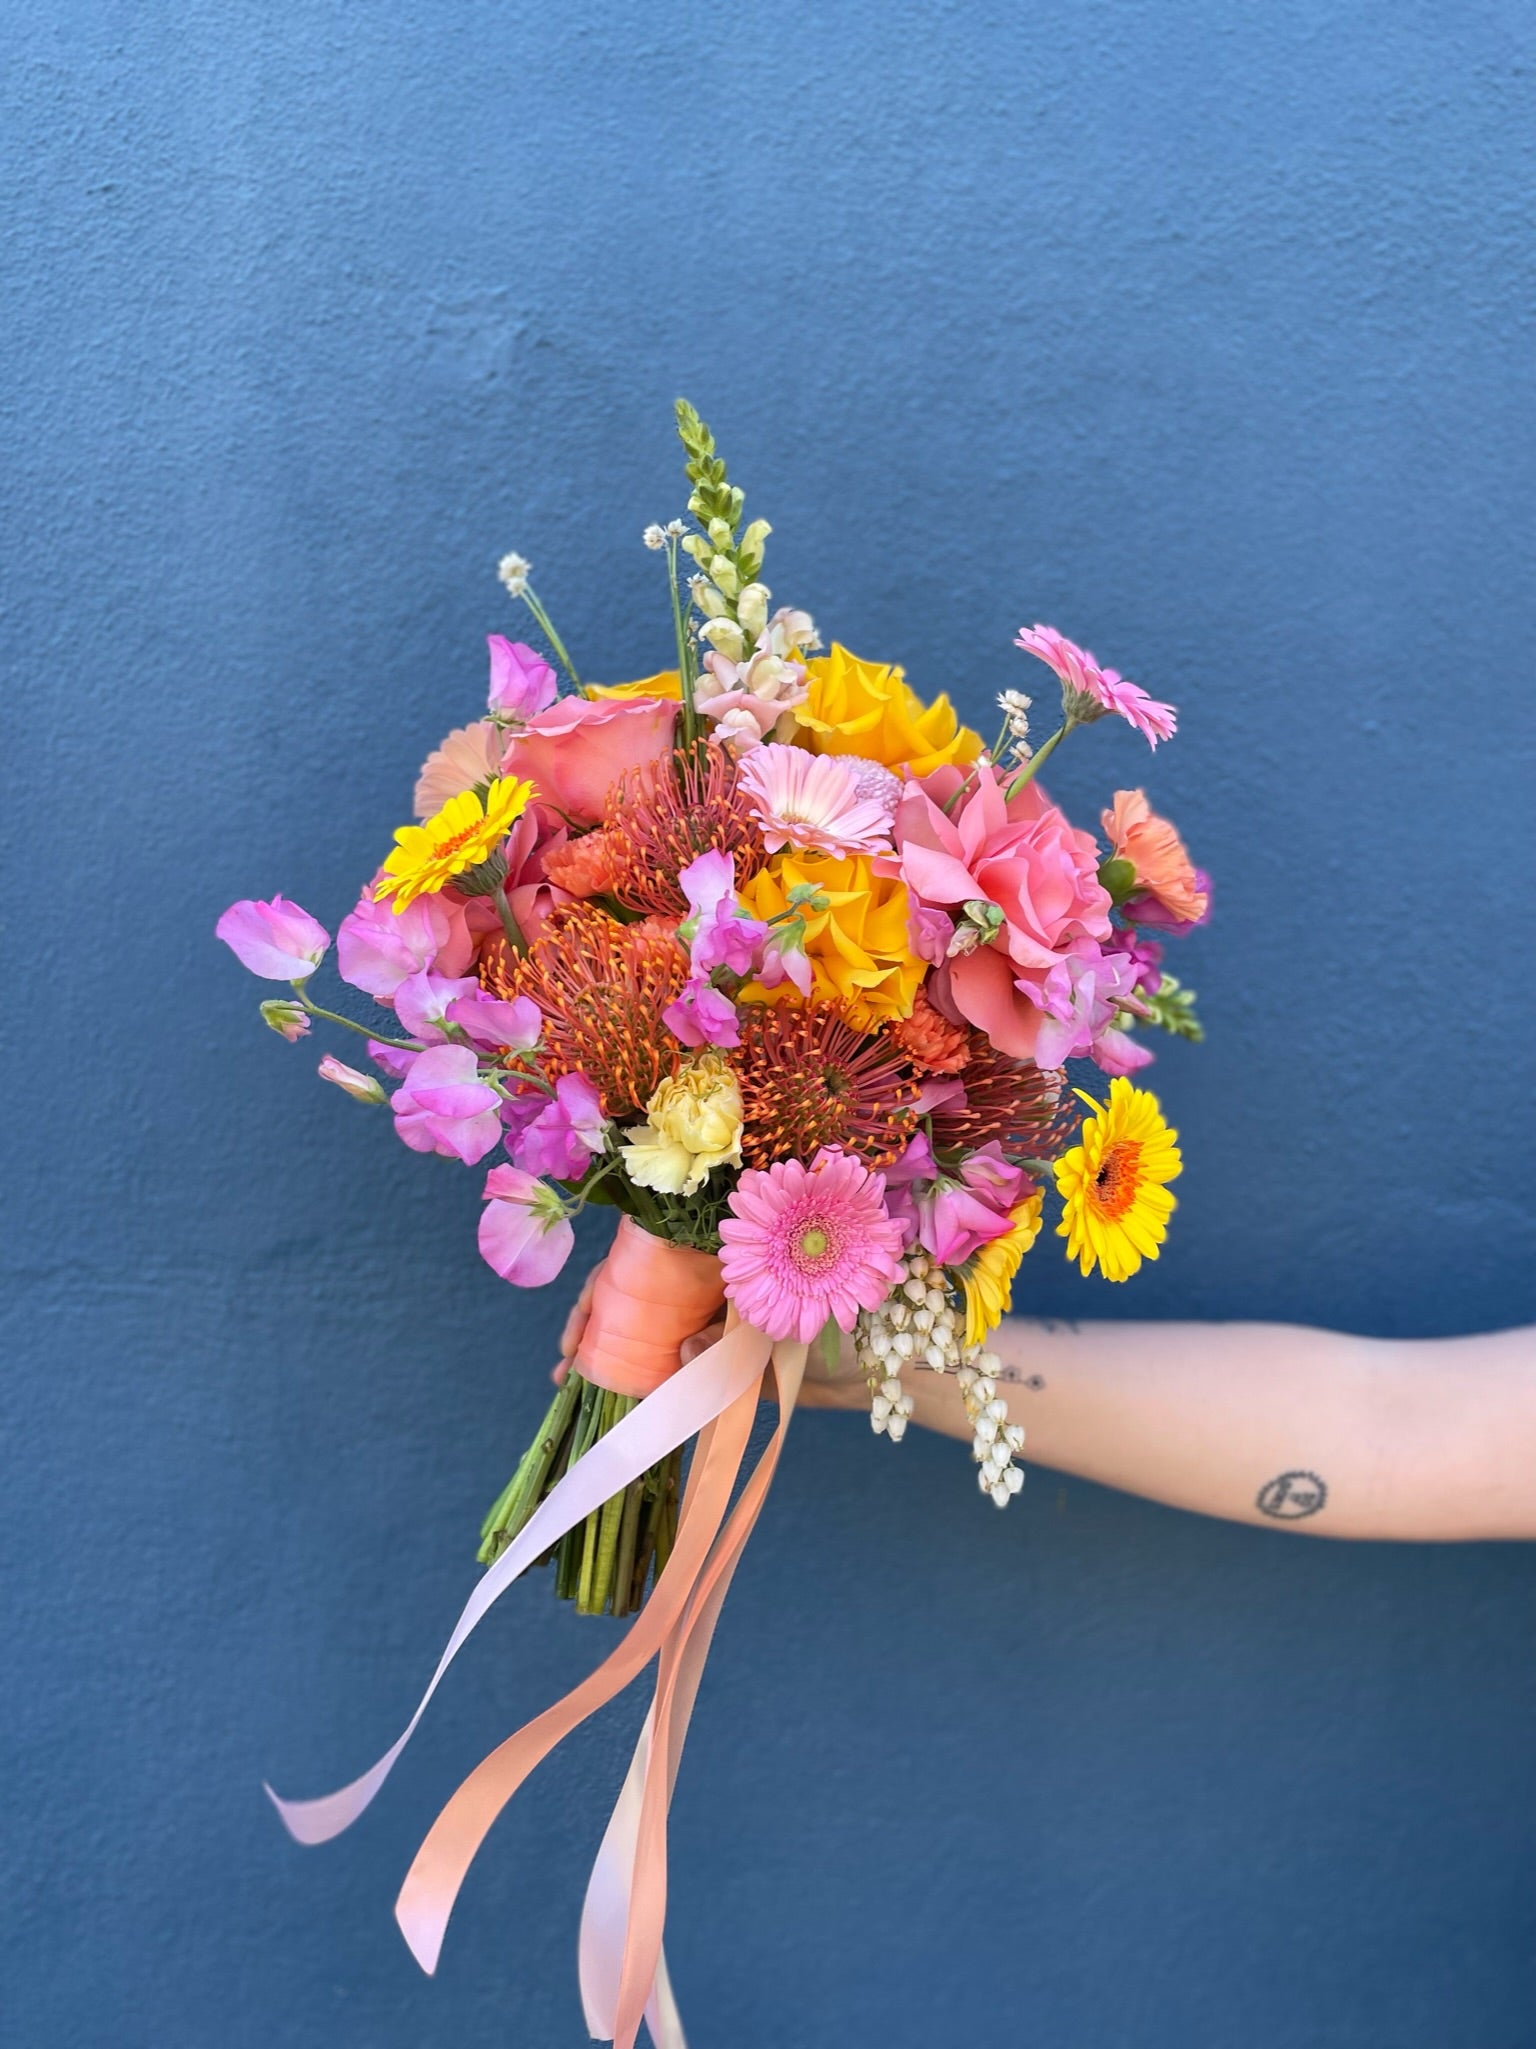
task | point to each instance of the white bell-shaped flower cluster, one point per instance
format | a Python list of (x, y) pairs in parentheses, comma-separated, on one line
[(918, 1324), (996, 1442)]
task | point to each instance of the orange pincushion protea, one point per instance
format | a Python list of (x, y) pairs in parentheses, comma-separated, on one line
[(809, 1079), (602, 987), (663, 815), (929, 1041), (1028, 1109)]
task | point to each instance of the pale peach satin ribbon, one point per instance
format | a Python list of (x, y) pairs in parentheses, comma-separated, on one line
[(623, 1969)]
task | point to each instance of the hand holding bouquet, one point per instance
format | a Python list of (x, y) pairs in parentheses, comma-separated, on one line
[(786, 965)]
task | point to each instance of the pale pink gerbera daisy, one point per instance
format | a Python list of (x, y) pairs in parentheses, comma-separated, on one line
[(805, 1243), (813, 800), (1106, 688), (469, 755)]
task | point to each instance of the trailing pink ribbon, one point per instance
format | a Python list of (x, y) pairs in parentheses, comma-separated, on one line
[(623, 1969)]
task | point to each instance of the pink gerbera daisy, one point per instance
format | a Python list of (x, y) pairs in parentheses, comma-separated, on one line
[(1107, 688), (805, 1243), (813, 800)]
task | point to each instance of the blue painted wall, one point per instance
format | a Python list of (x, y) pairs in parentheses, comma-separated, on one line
[(1202, 331)]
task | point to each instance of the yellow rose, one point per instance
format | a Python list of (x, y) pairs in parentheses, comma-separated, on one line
[(667, 684), (857, 946), (694, 1126), (868, 708)]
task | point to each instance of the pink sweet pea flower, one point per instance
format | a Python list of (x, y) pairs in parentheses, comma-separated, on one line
[(525, 1234), (561, 1140), (1082, 995), (522, 682), (956, 1218), (702, 1016), (911, 1168), (377, 949), (363, 1088), (719, 933), (395, 1060), (1030, 871), (577, 750), (444, 1107), (517, 1026), (1080, 675), (784, 957), (423, 999), (276, 940)]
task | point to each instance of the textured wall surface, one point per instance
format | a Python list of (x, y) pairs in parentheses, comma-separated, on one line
[(1204, 332)]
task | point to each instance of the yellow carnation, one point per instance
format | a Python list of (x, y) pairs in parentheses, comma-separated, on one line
[(858, 947), (987, 1277), (868, 708), (667, 684), (694, 1125)]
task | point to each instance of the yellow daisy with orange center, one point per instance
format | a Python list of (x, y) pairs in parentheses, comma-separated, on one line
[(1115, 1205), (469, 829)]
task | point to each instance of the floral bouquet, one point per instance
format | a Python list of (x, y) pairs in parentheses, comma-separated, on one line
[(786, 966)]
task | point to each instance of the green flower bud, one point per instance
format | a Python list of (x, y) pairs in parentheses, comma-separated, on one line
[(1118, 876), (287, 1019)]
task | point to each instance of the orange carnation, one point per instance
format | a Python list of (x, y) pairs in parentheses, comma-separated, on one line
[(929, 1041), (583, 866), (1154, 849)]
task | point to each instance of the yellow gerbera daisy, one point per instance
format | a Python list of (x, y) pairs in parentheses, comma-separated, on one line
[(1115, 1208), (467, 831), (987, 1277), (868, 708)]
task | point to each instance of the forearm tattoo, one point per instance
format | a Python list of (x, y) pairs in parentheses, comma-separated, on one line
[(1291, 1497)]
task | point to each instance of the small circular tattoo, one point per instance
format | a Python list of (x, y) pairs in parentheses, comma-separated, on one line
[(1035, 1382), (1291, 1497)]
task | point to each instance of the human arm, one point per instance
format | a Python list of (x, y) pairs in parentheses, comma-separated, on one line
[(1270, 1424), (1274, 1424)]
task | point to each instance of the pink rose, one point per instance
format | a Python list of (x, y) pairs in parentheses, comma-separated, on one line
[(1020, 857), (576, 750)]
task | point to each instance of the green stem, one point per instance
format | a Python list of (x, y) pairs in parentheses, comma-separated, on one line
[(684, 650), (335, 1017), (587, 1186), (530, 599), (509, 924), (1027, 773)]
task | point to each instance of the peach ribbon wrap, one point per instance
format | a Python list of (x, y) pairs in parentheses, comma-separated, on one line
[(622, 1966), (649, 1297)]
